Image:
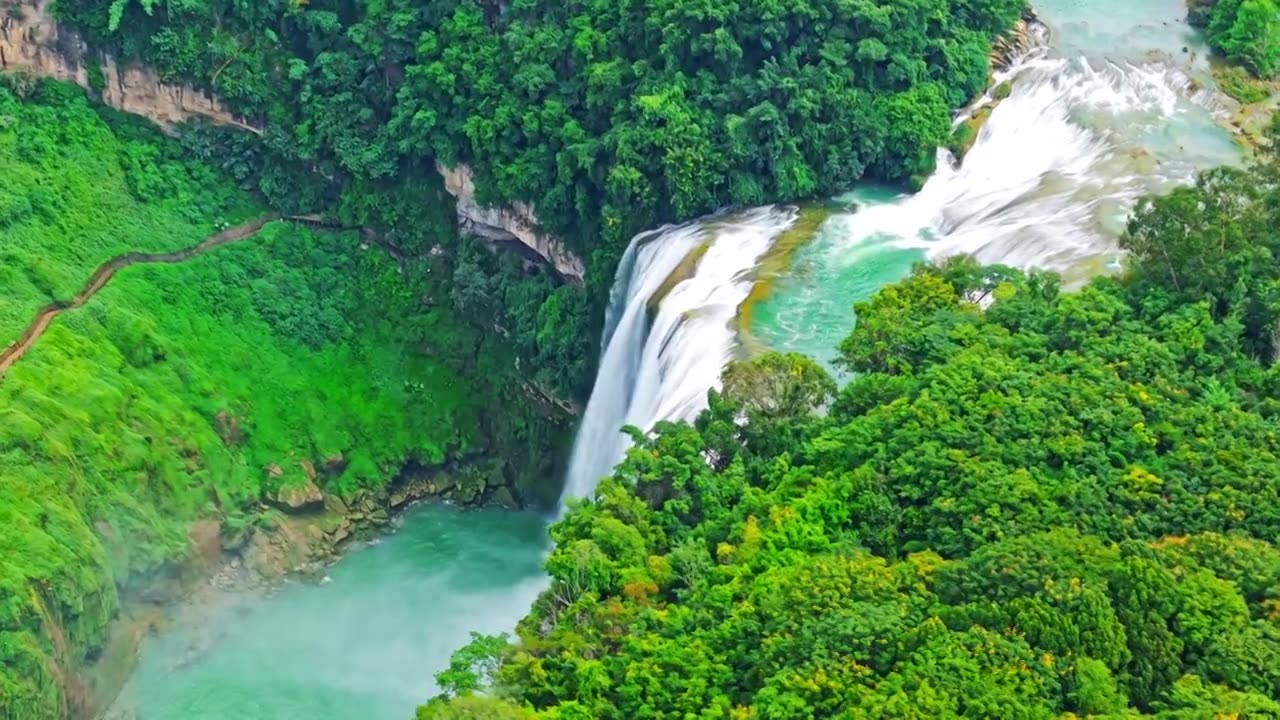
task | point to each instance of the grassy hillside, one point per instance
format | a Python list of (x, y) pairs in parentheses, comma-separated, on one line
[(190, 390), (90, 191)]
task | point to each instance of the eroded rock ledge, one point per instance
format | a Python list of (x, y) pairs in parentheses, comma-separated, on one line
[(32, 41), (515, 222), (1028, 32)]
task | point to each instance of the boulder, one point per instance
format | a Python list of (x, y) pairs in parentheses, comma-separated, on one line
[(502, 497), (340, 533), (334, 504), (335, 463), (300, 498)]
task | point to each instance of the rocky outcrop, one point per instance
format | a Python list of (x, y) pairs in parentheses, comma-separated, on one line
[(513, 222), (32, 41), (1027, 33), (315, 526), (300, 498)]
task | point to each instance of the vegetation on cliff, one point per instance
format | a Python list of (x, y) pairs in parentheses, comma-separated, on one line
[(655, 111), (1059, 505), (1244, 31), (607, 117), (198, 390)]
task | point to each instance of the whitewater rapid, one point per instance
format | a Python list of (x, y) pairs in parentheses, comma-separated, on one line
[(1056, 168), (659, 366)]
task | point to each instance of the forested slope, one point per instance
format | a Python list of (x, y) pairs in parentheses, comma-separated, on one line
[(658, 109), (197, 390), (1025, 504), (608, 117)]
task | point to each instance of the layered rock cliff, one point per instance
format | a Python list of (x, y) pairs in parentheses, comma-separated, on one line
[(32, 41), (1029, 32), (514, 222)]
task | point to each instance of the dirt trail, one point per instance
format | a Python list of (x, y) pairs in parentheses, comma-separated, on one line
[(104, 273)]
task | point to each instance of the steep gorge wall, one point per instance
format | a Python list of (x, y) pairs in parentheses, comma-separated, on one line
[(514, 222), (31, 40)]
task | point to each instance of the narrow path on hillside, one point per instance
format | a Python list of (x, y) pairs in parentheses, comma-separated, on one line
[(105, 271)]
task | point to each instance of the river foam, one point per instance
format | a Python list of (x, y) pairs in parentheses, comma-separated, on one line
[(1055, 169)]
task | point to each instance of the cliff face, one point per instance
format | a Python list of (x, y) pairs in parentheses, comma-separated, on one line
[(514, 222), (32, 41)]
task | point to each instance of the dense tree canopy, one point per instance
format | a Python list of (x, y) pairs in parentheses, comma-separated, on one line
[(608, 117), (1059, 504), (1245, 31), (652, 109)]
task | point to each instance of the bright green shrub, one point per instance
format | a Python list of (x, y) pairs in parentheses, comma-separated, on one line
[(1247, 31)]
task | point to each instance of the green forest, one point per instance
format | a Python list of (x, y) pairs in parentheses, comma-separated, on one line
[(1243, 31), (1061, 505), (620, 115), (197, 390), (1021, 502)]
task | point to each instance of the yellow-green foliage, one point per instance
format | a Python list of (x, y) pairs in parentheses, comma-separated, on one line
[(1239, 84), (173, 392)]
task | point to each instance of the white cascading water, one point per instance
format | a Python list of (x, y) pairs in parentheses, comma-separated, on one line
[(1048, 183), (661, 370), (1055, 169)]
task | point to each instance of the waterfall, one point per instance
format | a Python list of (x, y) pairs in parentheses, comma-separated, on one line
[(1048, 182), (659, 365), (1055, 169)]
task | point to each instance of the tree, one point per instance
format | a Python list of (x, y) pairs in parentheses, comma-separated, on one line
[(473, 707), (1247, 31), (472, 666), (784, 386), (1025, 503)]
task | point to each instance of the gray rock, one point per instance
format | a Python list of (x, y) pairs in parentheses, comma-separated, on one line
[(503, 497), (300, 498), (334, 504)]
